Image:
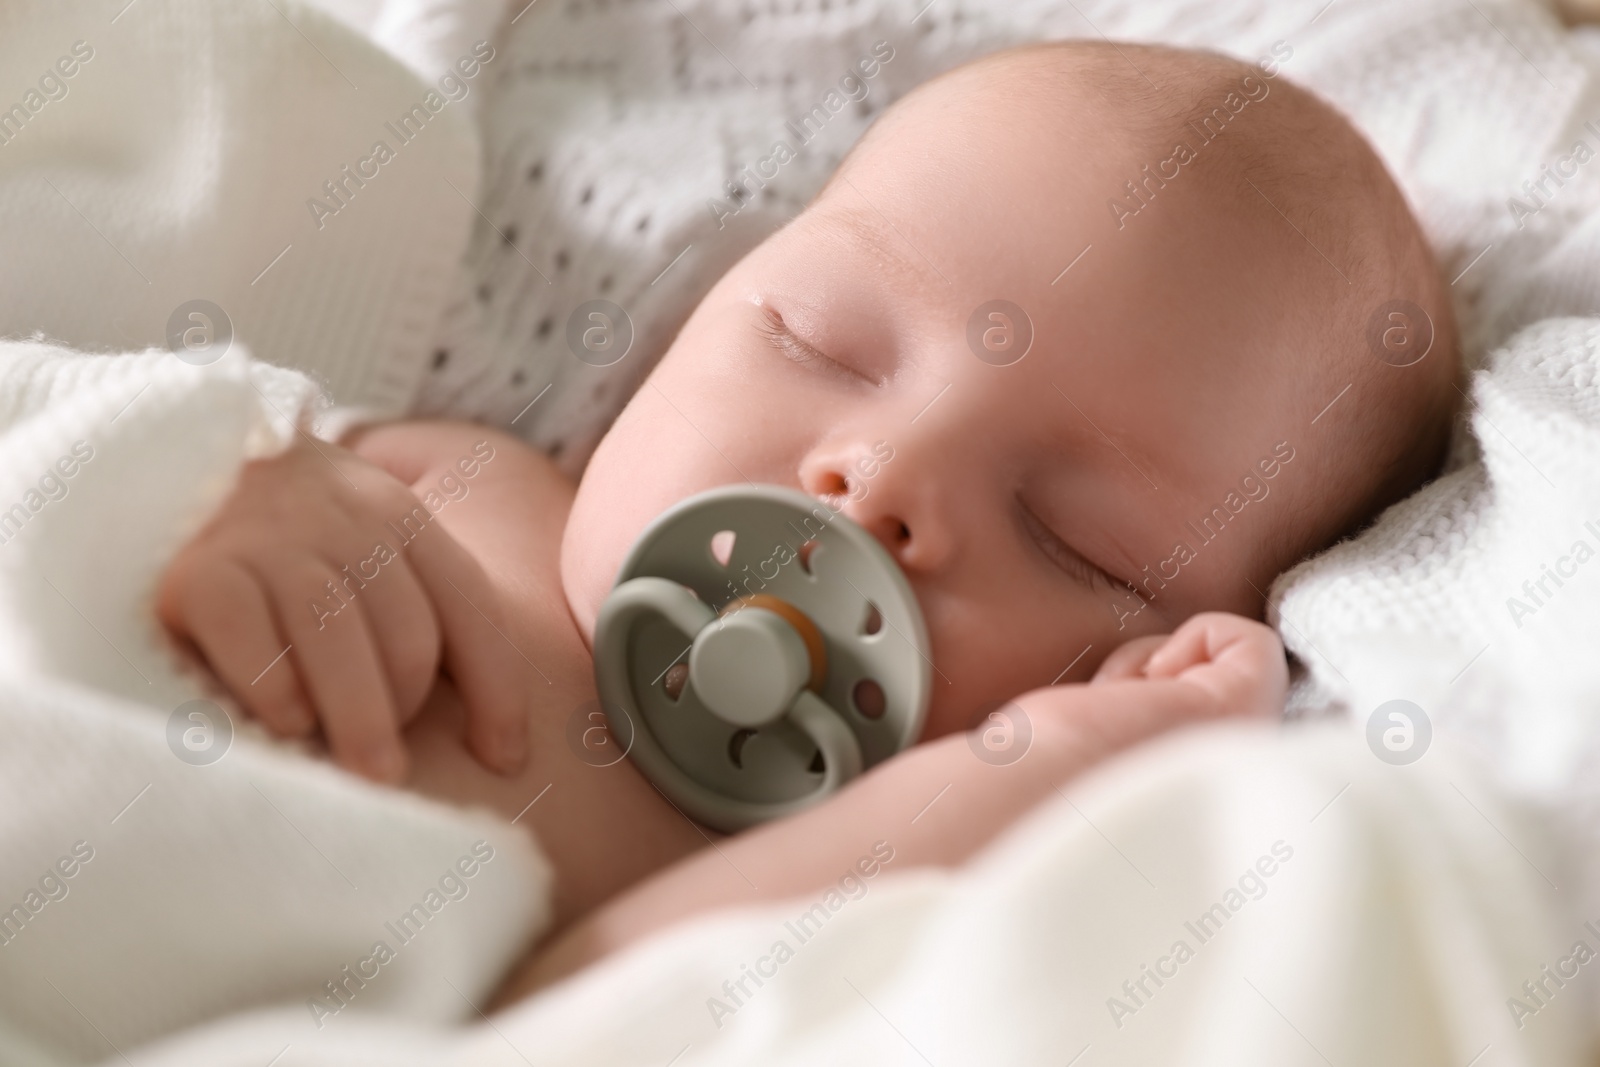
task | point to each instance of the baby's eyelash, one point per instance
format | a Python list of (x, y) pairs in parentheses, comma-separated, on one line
[(779, 336), (1061, 555)]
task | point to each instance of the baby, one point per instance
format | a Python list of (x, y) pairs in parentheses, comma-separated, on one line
[(1096, 339)]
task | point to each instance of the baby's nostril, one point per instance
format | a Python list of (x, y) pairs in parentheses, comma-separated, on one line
[(833, 484)]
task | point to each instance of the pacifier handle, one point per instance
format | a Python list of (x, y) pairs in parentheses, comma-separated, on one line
[(639, 598)]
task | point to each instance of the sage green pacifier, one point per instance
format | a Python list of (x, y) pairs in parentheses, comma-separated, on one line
[(758, 651)]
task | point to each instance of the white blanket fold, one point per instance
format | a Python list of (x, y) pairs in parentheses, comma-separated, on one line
[(1327, 905), (209, 887)]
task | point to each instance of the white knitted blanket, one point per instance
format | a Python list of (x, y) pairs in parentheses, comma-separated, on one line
[(161, 862)]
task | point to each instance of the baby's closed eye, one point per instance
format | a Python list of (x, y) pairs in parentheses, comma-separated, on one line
[(779, 335), (1076, 566)]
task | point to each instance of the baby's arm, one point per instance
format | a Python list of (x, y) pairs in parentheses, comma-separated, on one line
[(937, 804)]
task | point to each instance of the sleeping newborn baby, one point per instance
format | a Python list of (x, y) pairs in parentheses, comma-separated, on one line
[(1097, 340)]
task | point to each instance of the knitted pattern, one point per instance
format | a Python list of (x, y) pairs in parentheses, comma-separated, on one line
[(633, 157)]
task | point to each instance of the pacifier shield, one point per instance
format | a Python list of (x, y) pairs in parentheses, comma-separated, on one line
[(772, 571)]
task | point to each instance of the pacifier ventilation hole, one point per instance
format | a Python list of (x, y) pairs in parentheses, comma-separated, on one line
[(722, 546), (736, 746), (817, 764), (869, 698), (675, 679), (874, 620), (805, 552)]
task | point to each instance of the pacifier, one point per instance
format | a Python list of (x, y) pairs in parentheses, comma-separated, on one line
[(758, 651)]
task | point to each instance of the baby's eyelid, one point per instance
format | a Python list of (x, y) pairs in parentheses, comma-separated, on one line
[(1060, 553), (781, 337)]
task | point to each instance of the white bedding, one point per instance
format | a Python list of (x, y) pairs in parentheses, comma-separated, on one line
[(208, 885), (1418, 898), (1388, 931)]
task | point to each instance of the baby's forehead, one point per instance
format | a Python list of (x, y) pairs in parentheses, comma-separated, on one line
[(846, 221)]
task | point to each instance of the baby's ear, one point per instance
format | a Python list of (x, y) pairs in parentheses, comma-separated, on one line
[(1127, 663)]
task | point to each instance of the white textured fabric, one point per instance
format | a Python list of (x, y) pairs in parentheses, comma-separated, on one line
[(208, 887), (179, 160), (1367, 916), (1475, 599), (1440, 601)]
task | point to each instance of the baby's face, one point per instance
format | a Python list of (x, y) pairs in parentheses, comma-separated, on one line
[(1020, 499)]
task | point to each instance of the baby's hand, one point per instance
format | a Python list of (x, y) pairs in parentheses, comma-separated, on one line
[(325, 557), (1236, 661)]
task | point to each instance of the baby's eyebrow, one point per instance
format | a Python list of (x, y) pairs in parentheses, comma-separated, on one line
[(863, 225)]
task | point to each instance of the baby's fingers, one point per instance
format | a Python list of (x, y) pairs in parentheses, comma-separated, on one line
[(218, 605), (338, 660), (1129, 660), (1212, 637), (491, 672), (1235, 658), (403, 624)]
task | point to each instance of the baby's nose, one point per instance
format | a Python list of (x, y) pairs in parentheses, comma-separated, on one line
[(898, 508)]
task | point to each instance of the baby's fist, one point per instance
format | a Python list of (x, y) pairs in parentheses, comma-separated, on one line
[(1238, 662)]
